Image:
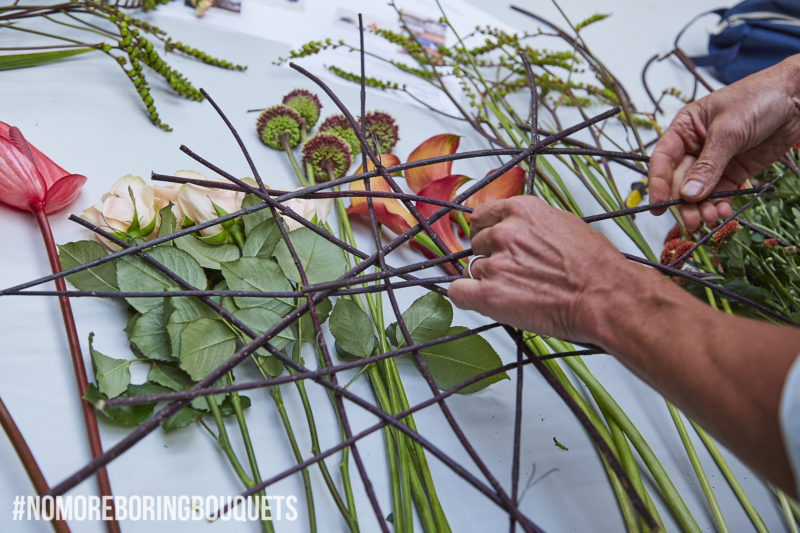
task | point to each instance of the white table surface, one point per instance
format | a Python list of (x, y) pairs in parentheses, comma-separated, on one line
[(86, 117)]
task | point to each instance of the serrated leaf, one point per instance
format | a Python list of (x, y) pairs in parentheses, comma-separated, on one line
[(455, 361), (207, 255), (135, 275), (128, 415), (321, 259), (306, 325), (352, 328), (262, 239), (255, 218), (148, 334), (226, 407), (260, 319), (168, 376), (100, 278), (113, 375), (206, 343), (426, 319), (183, 418), (258, 274), (34, 59), (182, 311)]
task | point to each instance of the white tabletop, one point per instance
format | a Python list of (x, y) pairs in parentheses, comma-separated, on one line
[(86, 117)]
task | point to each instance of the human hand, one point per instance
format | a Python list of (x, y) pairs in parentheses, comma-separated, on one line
[(546, 271), (721, 140)]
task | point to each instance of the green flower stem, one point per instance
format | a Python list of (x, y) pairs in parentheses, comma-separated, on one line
[(698, 468), (225, 444), (266, 525), (298, 456), (625, 507), (607, 403), (632, 469), (701, 253), (787, 510), (51, 35), (461, 220), (292, 160)]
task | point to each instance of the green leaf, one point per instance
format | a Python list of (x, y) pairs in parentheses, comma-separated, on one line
[(207, 255), (136, 275), (148, 334), (352, 328), (306, 325), (183, 418), (128, 415), (257, 217), (262, 239), (100, 278), (34, 59), (453, 362), (113, 375), (182, 311), (427, 318), (258, 274), (206, 343), (270, 364), (260, 320), (168, 223), (169, 376), (321, 259), (226, 407)]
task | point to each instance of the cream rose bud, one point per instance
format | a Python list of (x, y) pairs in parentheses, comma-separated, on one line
[(130, 199), (197, 203), (312, 209)]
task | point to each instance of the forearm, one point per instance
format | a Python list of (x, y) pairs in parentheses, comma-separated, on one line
[(726, 372)]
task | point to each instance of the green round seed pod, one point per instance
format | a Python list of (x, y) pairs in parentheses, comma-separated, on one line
[(328, 156), (277, 121), (306, 104), (338, 125)]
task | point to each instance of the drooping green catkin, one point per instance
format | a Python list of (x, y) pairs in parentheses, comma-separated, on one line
[(306, 104), (173, 46), (368, 81), (338, 125), (279, 121), (309, 49), (328, 156)]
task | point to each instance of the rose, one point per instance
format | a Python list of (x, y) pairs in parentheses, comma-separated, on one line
[(129, 209), (200, 204), (315, 210)]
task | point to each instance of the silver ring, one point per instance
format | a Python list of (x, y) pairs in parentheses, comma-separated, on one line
[(472, 260)]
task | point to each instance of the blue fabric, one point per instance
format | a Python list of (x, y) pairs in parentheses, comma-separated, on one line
[(790, 419), (752, 45)]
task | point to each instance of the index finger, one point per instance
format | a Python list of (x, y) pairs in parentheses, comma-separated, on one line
[(667, 155)]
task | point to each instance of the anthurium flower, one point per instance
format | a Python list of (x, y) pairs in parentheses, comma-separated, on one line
[(388, 211), (201, 204), (443, 144), (442, 189), (29, 180)]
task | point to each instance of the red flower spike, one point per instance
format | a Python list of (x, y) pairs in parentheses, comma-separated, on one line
[(673, 249), (507, 185), (29, 180), (388, 211), (444, 144), (722, 233), (442, 189)]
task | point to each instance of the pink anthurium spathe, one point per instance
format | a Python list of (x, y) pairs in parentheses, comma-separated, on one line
[(29, 180), (438, 145), (441, 189)]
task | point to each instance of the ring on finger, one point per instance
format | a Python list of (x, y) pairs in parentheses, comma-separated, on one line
[(472, 260)]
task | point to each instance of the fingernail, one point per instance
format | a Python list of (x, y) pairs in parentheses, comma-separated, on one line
[(692, 188)]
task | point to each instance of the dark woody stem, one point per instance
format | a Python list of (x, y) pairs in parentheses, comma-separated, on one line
[(28, 461), (90, 421)]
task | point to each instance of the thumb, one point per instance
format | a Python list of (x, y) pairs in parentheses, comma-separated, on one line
[(465, 293), (707, 170)]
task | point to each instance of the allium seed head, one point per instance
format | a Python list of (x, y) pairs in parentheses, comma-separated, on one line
[(276, 121), (328, 155)]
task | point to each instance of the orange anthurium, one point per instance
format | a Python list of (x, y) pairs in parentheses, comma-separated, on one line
[(388, 211), (442, 189), (507, 185), (444, 144)]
